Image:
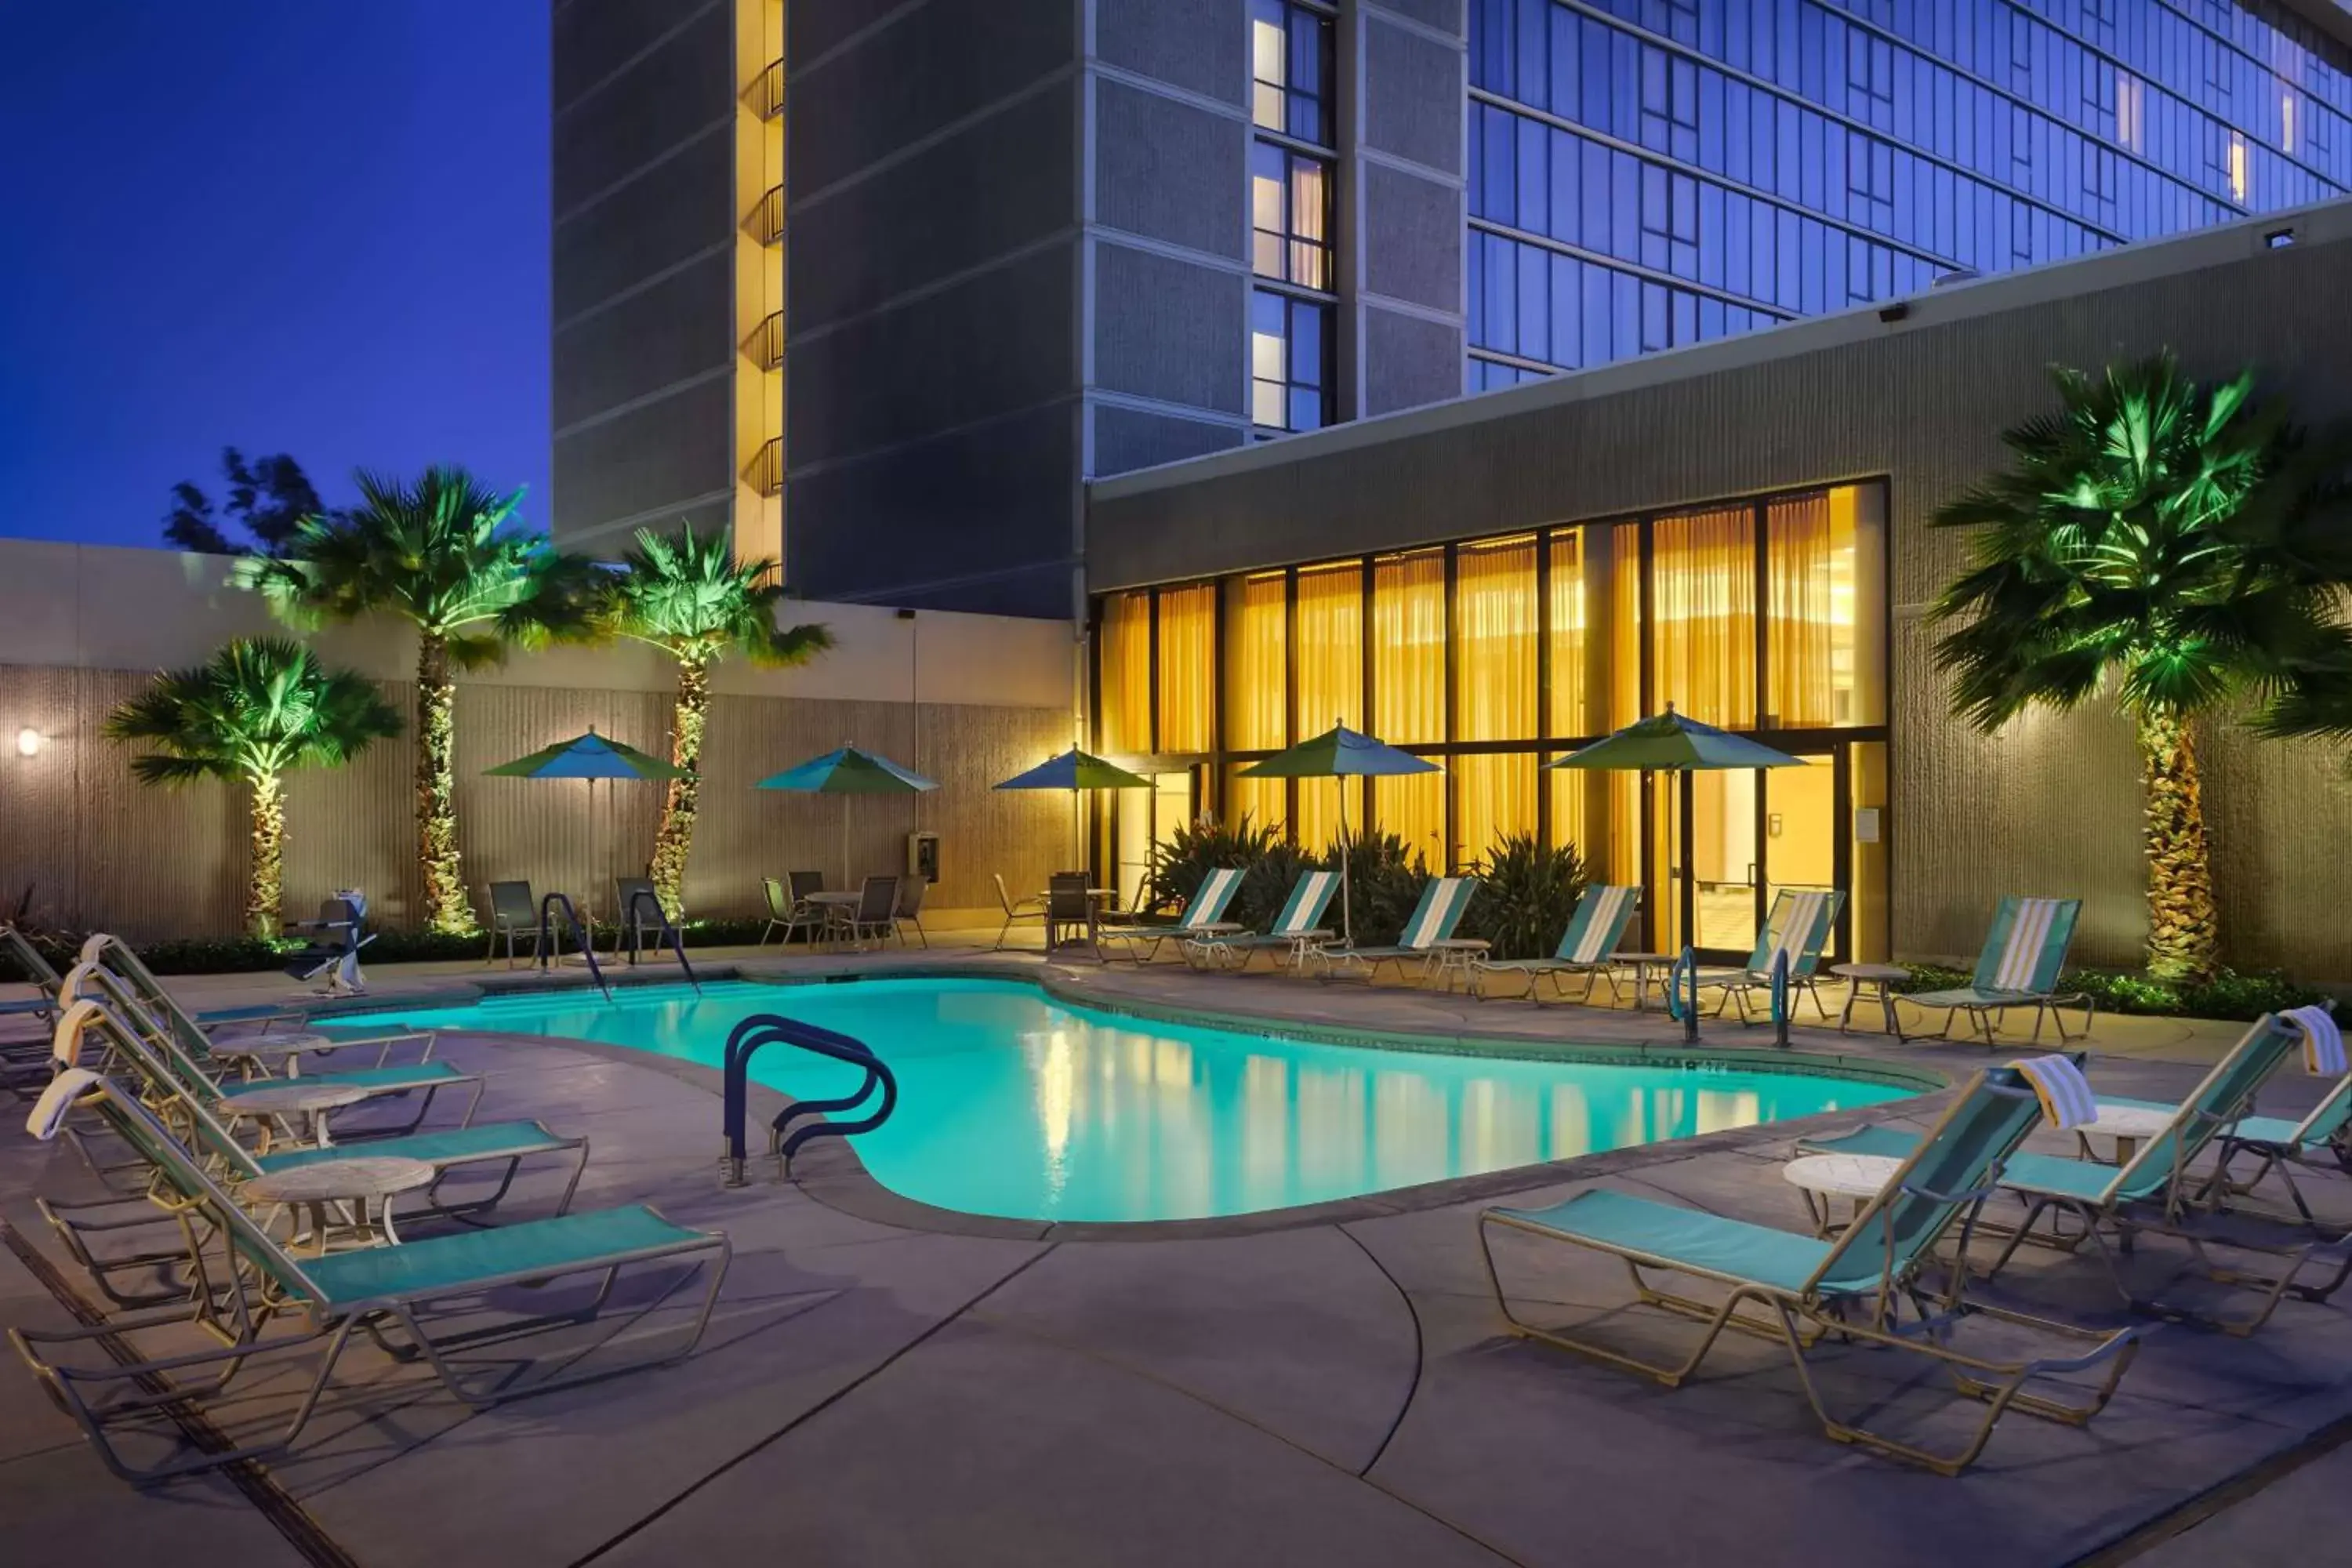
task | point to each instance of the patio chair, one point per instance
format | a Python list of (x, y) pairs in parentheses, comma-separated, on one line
[(1428, 936), (102, 1379), (1015, 909), (332, 944), (514, 915), (1587, 947), (1296, 930), (1070, 907), (2154, 1190), (910, 909), (1205, 915), (639, 914), (789, 907), (2018, 968), (875, 914), (81, 1225), (1799, 925), (1853, 1286)]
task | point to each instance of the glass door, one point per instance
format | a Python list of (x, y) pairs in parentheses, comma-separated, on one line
[(1145, 823), (1725, 844), (1802, 842)]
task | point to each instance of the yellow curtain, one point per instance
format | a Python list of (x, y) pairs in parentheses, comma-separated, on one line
[(1703, 599), (1408, 693), (1495, 629), (1126, 661), (1328, 671), (1622, 850), (1809, 634), (1256, 717), (1188, 637)]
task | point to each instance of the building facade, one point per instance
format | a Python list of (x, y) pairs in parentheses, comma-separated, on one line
[(1740, 529), (882, 286)]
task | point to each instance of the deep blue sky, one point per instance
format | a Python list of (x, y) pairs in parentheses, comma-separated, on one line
[(315, 226)]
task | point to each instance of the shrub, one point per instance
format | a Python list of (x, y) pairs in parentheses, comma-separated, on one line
[(1180, 866), (1527, 893), (1384, 883), (2227, 995)]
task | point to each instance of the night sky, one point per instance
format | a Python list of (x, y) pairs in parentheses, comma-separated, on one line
[(278, 224)]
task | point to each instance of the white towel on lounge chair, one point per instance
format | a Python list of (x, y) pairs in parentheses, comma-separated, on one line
[(49, 1110), (2066, 1094), (2322, 1042)]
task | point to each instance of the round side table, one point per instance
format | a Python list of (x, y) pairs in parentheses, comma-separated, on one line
[(308, 1098), (1882, 978), (2128, 1125), (1823, 1179), (1644, 965), (335, 1195)]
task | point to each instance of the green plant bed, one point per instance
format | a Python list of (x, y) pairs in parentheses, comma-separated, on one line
[(2228, 995)]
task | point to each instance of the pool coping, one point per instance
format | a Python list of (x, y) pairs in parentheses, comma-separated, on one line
[(833, 1173)]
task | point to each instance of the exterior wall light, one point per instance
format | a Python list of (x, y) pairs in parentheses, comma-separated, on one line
[(28, 742)]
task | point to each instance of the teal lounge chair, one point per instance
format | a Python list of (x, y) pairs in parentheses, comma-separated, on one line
[(38, 971), (1205, 916), (1296, 929), (1586, 947), (2018, 968), (1799, 926), (1428, 936), (246, 1282), (1853, 1286), (2154, 1190)]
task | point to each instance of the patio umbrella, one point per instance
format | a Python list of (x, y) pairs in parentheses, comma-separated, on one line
[(1669, 742), (848, 771), (588, 758), (1075, 770), (1340, 753)]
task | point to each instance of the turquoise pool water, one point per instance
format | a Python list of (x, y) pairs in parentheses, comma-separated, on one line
[(1013, 1104)]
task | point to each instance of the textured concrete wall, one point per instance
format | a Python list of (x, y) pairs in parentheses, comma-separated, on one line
[(2051, 806), (1402, 202)]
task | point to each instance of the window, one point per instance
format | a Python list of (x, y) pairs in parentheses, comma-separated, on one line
[(1290, 362), (1290, 210), (1290, 68)]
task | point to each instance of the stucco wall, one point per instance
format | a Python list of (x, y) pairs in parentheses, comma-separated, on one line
[(965, 698), (2051, 804)]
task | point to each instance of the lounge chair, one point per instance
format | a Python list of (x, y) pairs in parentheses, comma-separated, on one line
[(514, 915), (1016, 910), (1428, 936), (229, 1162), (790, 907), (2154, 1190), (1585, 947), (101, 1378), (1799, 926), (38, 971), (1296, 930), (1205, 916), (910, 909), (2018, 968), (1851, 1286)]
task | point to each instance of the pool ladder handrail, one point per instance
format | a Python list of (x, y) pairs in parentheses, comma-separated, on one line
[(670, 931), (769, 1028), (550, 938)]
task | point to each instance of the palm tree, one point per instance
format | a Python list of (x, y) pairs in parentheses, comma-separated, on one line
[(688, 596), (260, 708), (2120, 554), (439, 553)]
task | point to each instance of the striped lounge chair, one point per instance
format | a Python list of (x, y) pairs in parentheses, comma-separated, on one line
[(2018, 968), (1296, 929), (1205, 916), (1799, 926), (1586, 947), (1428, 936)]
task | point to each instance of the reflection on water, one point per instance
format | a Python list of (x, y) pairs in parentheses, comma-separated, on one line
[(1011, 1105)]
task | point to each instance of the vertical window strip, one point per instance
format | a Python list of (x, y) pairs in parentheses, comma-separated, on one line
[(1188, 629)]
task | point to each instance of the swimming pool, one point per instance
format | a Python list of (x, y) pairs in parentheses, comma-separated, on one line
[(1013, 1103)]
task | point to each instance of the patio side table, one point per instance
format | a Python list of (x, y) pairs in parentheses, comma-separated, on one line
[(1882, 978), (1823, 1179)]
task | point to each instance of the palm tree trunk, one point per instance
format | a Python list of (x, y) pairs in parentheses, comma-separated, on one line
[(674, 839), (447, 908), (265, 878), (2184, 926)]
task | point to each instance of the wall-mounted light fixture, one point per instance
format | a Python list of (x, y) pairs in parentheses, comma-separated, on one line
[(28, 742), (2279, 238)]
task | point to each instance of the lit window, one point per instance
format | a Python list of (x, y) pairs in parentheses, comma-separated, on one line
[(2286, 123), (1290, 365), (1290, 210), (2237, 165), (1290, 68), (2131, 110)]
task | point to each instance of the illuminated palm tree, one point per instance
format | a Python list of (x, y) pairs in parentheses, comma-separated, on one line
[(442, 554), (687, 594), (260, 708), (2121, 554)]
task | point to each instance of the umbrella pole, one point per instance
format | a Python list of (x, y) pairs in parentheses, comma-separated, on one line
[(1347, 906), (844, 844), (1078, 833)]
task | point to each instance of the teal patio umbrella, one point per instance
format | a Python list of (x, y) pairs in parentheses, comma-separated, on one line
[(1669, 742), (1340, 753), (587, 757), (1074, 771), (848, 771)]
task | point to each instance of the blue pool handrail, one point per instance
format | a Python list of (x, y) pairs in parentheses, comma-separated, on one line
[(876, 1096), (668, 929), (551, 936)]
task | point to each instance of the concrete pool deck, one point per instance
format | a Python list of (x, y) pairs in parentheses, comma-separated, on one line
[(1336, 1390)]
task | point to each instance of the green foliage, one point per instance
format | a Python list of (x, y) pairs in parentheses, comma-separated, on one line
[(259, 706), (1268, 886), (2228, 995), (688, 594), (1526, 894), (1385, 884), (1180, 866)]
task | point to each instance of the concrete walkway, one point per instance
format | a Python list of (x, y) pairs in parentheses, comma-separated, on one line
[(1342, 1391)]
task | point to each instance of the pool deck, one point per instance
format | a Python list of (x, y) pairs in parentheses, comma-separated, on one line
[(884, 1386)]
